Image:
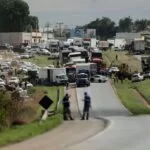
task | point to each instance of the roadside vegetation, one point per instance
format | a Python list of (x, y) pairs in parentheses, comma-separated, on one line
[(132, 95), (42, 61), (21, 119)]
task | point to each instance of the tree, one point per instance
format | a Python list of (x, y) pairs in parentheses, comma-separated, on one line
[(125, 24), (105, 27), (13, 15), (141, 25), (33, 23)]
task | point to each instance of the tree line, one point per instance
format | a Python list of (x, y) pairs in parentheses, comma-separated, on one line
[(15, 17), (107, 28)]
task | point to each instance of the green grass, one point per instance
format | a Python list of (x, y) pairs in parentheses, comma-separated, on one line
[(20, 133), (126, 91), (144, 88), (52, 93), (130, 99), (123, 57), (41, 61)]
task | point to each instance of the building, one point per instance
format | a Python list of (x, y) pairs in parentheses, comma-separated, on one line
[(127, 36), (36, 37), (15, 38)]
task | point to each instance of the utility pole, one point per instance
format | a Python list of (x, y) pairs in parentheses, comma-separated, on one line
[(60, 23)]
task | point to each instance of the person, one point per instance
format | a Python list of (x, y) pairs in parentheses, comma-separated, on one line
[(66, 108), (67, 85), (87, 105)]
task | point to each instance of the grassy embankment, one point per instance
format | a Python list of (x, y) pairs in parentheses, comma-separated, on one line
[(20, 133), (41, 61), (127, 92)]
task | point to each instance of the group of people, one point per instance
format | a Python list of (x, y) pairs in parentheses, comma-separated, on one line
[(67, 111)]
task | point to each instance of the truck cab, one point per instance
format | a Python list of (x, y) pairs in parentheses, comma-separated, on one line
[(61, 79), (82, 80)]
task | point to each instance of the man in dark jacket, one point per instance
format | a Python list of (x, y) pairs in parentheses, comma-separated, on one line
[(66, 108), (87, 105)]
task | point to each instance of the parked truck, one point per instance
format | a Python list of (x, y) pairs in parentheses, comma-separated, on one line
[(91, 68), (139, 46), (53, 76), (89, 42)]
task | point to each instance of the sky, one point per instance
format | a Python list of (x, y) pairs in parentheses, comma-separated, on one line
[(80, 12)]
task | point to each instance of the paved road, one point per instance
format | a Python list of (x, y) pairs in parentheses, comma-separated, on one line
[(124, 131), (104, 100)]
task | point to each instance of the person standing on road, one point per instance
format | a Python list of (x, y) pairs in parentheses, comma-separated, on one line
[(87, 105), (66, 108)]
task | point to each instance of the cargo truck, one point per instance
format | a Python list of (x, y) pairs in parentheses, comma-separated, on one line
[(53, 76)]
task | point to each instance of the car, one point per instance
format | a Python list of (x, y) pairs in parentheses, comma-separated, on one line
[(13, 80), (98, 78), (113, 69), (28, 84), (2, 82), (146, 74), (137, 77)]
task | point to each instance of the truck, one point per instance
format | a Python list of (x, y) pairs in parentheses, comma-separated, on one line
[(89, 42), (139, 46), (53, 76), (103, 45), (84, 67)]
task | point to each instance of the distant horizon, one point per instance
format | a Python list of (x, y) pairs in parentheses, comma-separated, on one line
[(78, 12)]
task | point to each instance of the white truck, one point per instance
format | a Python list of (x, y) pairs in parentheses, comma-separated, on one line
[(54, 76), (90, 42), (91, 67), (139, 46)]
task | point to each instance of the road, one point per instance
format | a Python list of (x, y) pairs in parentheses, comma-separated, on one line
[(124, 132)]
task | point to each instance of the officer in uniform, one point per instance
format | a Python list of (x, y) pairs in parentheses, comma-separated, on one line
[(87, 105)]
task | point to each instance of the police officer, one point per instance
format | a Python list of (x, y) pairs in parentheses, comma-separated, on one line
[(66, 108), (87, 105)]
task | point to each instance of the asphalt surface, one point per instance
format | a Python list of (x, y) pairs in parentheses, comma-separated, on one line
[(124, 131)]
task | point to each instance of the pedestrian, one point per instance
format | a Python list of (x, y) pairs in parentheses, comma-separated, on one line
[(66, 108), (87, 105), (67, 85), (116, 57)]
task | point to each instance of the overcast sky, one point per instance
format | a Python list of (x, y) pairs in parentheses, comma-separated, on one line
[(79, 12)]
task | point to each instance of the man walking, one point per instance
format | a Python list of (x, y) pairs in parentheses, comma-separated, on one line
[(66, 108), (87, 105)]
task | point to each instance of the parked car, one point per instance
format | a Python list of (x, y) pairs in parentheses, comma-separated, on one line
[(146, 74), (28, 84), (137, 77), (2, 82), (13, 80), (98, 78), (113, 69)]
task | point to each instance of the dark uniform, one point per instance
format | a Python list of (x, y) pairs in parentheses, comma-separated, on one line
[(66, 108), (87, 105)]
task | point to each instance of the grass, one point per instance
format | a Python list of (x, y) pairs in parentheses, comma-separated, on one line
[(41, 61), (144, 89), (20, 133), (129, 98), (123, 57), (52, 93), (126, 91)]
